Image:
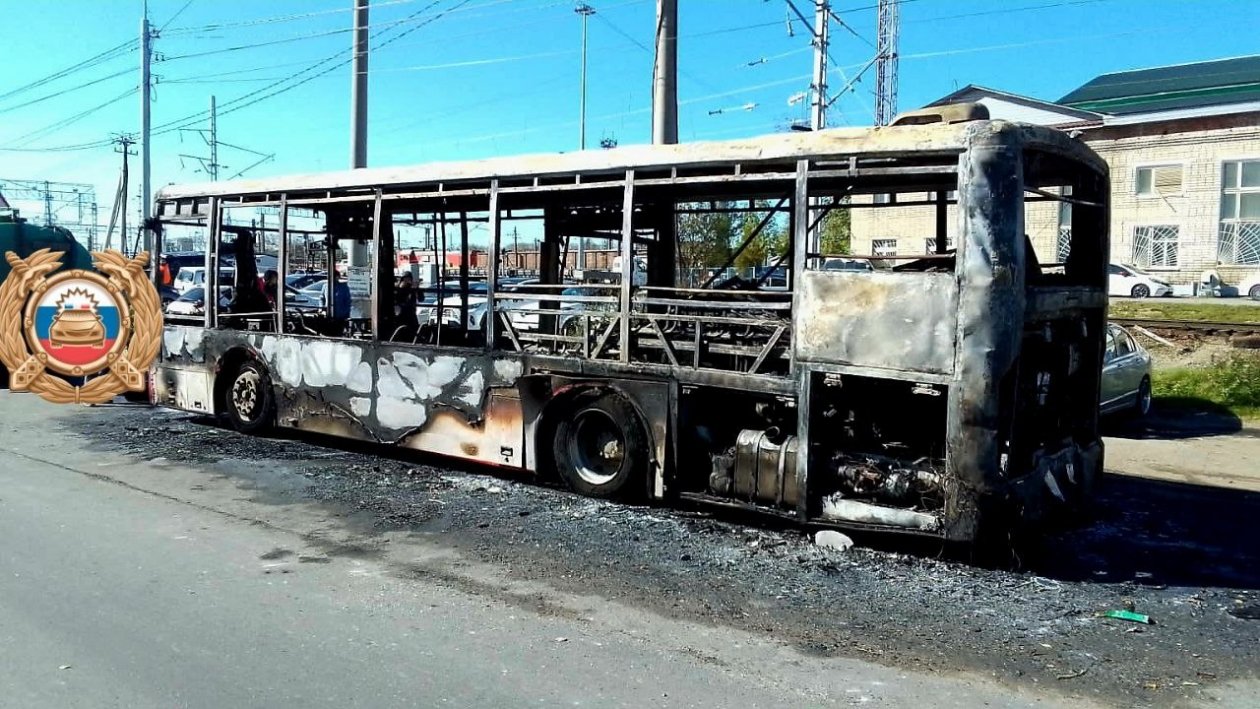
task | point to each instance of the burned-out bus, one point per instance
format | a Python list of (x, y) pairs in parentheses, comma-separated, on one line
[(945, 392)]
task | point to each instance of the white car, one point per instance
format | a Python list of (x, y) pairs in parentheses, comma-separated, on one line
[(1124, 280), (193, 301), (1250, 287), (523, 314), (190, 277)]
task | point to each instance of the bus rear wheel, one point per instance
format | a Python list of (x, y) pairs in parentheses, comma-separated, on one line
[(248, 399), (600, 448)]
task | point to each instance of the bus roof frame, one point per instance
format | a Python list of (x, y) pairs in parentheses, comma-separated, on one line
[(660, 163)]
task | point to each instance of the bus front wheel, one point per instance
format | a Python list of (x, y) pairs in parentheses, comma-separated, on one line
[(248, 400), (600, 448)]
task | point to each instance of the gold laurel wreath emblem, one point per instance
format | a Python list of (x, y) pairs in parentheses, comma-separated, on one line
[(125, 370)]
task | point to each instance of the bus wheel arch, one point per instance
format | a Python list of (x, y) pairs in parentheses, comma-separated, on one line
[(243, 394), (596, 440)]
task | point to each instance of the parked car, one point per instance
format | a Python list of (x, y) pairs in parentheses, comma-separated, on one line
[(524, 313), (1250, 287), (302, 280), (168, 295), (193, 302), (847, 264), (1126, 375), (301, 300), (1126, 280), (191, 277)]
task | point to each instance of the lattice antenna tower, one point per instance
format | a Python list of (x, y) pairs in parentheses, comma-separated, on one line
[(886, 62)]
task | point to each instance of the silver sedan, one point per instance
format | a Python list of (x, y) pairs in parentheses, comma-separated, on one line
[(1126, 375)]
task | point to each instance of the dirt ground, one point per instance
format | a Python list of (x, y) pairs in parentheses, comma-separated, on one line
[(1182, 552)]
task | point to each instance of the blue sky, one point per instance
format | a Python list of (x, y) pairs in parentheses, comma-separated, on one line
[(474, 78)]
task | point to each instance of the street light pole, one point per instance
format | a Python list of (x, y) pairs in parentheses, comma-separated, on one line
[(585, 11)]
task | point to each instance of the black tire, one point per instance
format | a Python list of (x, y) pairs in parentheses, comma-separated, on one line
[(601, 449), (1142, 404), (249, 403), (1140, 291), (1254, 293)]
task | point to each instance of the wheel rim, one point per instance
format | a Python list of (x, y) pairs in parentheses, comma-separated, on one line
[(1141, 291), (1254, 292), (1144, 398), (246, 392), (597, 447)]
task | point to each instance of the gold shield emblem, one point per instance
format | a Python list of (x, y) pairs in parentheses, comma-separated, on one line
[(99, 330)]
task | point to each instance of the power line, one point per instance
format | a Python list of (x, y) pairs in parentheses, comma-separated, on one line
[(275, 19), (62, 92), (262, 94), (65, 122), (117, 51), (174, 17)]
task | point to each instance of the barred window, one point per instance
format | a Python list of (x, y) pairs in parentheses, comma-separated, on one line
[(1239, 241), (1063, 244), (884, 247), (1156, 246), (929, 245)]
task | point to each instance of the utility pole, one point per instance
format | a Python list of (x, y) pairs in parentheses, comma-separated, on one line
[(358, 257), (585, 11), (822, 23), (146, 55), (47, 204), (214, 141), (359, 87), (886, 62), (665, 74), (123, 143)]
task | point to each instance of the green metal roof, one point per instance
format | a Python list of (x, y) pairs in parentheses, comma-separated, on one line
[(1166, 88)]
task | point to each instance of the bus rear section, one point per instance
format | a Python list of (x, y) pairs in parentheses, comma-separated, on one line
[(943, 382)]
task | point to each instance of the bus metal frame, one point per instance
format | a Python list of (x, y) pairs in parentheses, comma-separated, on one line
[(976, 338)]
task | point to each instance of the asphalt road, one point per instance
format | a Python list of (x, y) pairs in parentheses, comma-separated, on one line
[(150, 583)]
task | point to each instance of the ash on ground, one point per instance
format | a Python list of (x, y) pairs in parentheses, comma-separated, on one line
[(1183, 555)]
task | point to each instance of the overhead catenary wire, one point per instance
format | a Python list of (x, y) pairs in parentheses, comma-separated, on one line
[(107, 55), (55, 94), (279, 18), (65, 122), (262, 95)]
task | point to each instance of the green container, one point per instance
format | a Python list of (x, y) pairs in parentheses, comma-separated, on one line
[(1129, 615), (23, 238)]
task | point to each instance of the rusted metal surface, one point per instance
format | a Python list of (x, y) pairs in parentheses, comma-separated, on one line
[(893, 321), (952, 332), (462, 404)]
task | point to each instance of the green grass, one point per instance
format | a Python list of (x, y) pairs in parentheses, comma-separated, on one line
[(1232, 383), (1169, 309)]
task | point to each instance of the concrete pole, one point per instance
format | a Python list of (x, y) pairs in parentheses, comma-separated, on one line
[(818, 112), (665, 74), (359, 87), (585, 11), (146, 55), (359, 255)]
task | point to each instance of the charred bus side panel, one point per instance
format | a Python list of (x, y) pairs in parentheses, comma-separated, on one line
[(945, 393)]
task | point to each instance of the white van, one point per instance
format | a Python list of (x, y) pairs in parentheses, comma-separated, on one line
[(190, 277)]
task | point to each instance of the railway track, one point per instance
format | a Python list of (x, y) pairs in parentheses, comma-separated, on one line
[(1191, 325)]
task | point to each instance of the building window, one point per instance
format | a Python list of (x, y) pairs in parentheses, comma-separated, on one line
[(1240, 213), (884, 247), (929, 245), (1158, 181), (1155, 246), (1063, 243)]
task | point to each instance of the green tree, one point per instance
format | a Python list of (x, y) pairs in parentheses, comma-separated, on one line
[(704, 241), (768, 245), (837, 234)]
